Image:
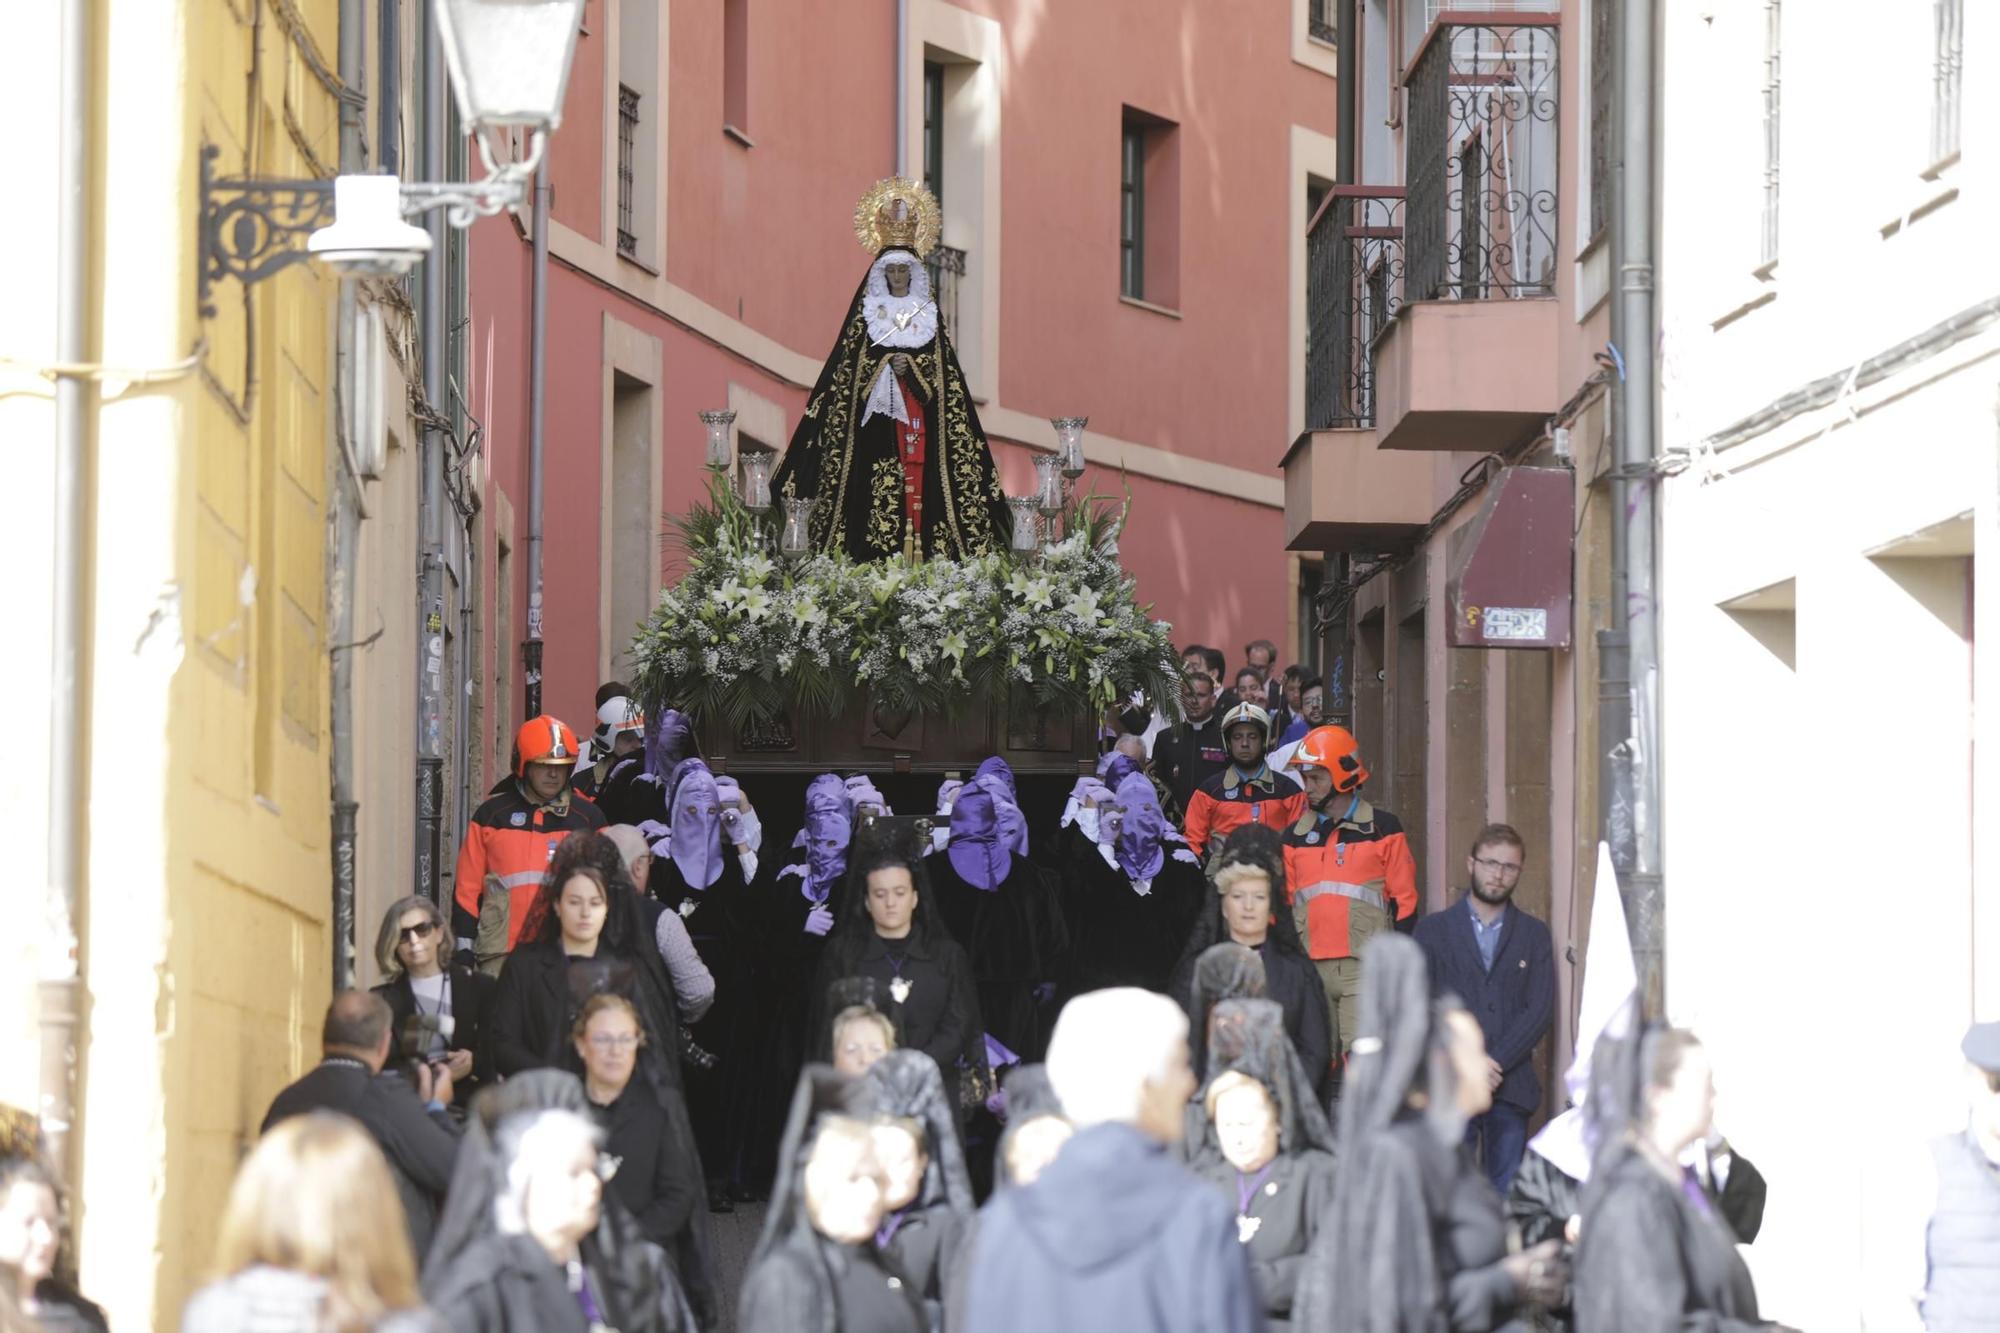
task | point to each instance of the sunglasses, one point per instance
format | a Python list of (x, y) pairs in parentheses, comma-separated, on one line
[(421, 931)]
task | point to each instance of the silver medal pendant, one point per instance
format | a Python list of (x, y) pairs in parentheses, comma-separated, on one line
[(899, 990), (1246, 1227)]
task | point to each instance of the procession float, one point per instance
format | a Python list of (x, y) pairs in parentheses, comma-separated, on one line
[(878, 602)]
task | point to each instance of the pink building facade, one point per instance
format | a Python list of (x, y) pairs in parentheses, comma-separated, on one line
[(1124, 186)]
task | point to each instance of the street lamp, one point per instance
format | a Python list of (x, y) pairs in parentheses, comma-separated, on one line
[(509, 62)]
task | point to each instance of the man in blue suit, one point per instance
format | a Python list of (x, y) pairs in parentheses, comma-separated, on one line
[(1497, 959)]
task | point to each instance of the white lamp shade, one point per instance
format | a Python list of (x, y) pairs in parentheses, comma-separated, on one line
[(509, 59), (369, 234)]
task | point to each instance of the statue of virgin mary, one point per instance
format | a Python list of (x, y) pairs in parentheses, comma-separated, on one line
[(890, 444)]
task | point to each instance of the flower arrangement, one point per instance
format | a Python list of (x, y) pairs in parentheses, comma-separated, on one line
[(742, 635)]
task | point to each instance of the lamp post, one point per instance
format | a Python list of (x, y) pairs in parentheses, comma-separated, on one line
[(509, 63)]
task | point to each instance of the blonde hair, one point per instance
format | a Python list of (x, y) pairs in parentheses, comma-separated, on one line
[(1233, 872), (1232, 1080), (606, 1002), (863, 1013), (315, 1197), (390, 937)]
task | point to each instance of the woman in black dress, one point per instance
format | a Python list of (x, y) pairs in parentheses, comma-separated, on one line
[(886, 928), (1266, 1146), (1247, 909), (1654, 1252), (928, 1192), (585, 936), (439, 1008), (530, 1145), (1416, 1239), (816, 1268), (657, 1184)]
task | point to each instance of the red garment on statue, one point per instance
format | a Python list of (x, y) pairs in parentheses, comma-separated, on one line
[(912, 445)]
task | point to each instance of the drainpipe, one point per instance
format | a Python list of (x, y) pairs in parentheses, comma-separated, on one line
[(538, 321), (60, 992), (1346, 92), (430, 595), (1628, 652), (346, 522), (388, 84), (902, 82)]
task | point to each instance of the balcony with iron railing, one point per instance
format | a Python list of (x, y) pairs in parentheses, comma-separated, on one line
[(947, 272), (1468, 362), (1341, 493)]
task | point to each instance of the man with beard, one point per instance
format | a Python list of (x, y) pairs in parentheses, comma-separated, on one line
[(1497, 959)]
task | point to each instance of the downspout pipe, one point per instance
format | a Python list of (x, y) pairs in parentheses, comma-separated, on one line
[(60, 992), (538, 329), (430, 594), (1628, 652), (1347, 94), (346, 519), (902, 86)]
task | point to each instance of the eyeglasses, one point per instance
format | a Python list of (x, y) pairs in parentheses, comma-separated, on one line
[(421, 931), (615, 1041), (1493, 867)]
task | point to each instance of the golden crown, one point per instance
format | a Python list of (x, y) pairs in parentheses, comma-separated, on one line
[(900, 214)]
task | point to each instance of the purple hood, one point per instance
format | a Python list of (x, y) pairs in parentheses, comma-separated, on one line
[(1140, 838), (697, 825), (976, 850), (828, 829)]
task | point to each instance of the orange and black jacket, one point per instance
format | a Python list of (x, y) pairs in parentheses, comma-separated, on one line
[(1351, 853), (1228, 800), (510, 840)]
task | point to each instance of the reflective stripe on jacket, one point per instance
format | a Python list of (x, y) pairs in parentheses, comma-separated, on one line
[(1345, 873), (509, 843), (1223, 804)]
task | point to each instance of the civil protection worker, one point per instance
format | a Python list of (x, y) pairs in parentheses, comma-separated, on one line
[(511, 838), (1247, 790), (1348, 867)]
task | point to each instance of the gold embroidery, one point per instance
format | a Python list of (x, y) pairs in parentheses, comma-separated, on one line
[(885, 507)]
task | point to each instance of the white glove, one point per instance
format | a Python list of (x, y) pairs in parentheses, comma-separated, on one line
[(819, 921), (748, 859), (947, 794)]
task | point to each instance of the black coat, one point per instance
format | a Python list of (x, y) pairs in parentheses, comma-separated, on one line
[(1287, 1221), (1188, 755), (1649, 1261), (506, 1284), (655, 1181), (1015, 936), (1429, 1259), (940, 1014), (471, 1003), (1118, 936), (420, 1145), (812, 1285)]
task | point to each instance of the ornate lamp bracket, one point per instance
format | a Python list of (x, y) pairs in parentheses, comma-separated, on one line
[(250, 228)]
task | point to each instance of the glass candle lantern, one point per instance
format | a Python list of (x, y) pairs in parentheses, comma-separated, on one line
[(718, 424), (796, 539), (757, 480), (1049, 483), (1027, 523), (1069, 444)]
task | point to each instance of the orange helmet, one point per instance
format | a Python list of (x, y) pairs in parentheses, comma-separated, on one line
[(1335, 750), (543, 740)]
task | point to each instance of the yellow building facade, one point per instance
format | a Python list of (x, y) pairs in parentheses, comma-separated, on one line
[(204, 900)]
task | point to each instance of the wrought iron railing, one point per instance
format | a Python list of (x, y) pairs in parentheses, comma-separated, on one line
[(1354, 286), (947, 270), (1319, 21), (628, 144), (1482, 144)]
